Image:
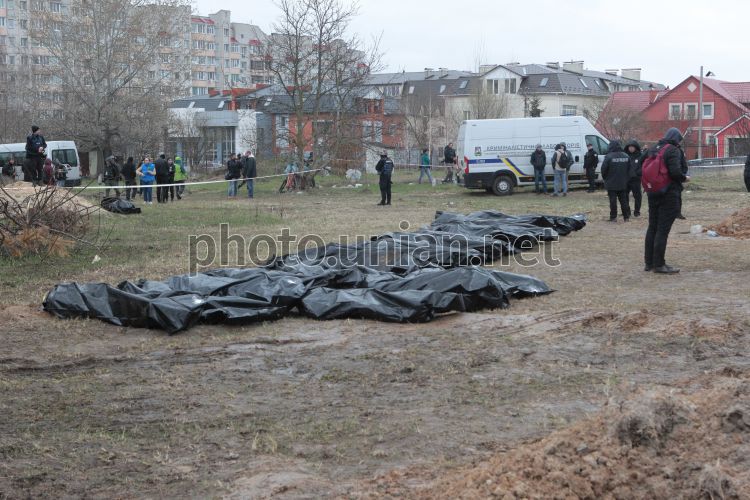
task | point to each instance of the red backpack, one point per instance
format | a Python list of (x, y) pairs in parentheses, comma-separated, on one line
[(655, 172)]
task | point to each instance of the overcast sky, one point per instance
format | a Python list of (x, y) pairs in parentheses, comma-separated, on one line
[(669, 40)]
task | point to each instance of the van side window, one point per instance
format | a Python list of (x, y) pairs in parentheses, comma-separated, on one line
[(600, 147), (65, 156)]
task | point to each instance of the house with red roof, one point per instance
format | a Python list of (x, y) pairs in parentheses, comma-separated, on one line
[(646, 115)]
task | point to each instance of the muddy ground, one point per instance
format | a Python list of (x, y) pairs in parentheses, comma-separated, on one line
[(303, 409)]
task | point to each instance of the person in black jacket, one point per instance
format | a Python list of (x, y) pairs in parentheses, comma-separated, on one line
[(111, 176), (128, 173), (539, 162), (249, 171), (449, 160), (747, 173), (234, 172), (35, 155), (162, 177), (385, 168), (633, 149), (616, 172), (663, 208), (590, 162)]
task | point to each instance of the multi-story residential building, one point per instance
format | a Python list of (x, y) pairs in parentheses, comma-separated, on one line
[(226, 55)]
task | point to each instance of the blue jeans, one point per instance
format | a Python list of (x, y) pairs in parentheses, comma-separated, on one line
[(146, 190), (422, 172), (561, 179), (250, 188), (232, 189), (539, 177)]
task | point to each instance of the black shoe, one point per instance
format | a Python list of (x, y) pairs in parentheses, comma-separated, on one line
[(636, 214), (627, 219), (681, 217), (380, 204), (388, 203), (613, 219), (648, 268), (665, 269)]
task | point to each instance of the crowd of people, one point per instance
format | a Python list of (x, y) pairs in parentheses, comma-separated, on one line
[(166, 174)]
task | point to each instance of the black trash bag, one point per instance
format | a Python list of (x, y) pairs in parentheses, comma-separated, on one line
[(119, 206), (412, 306)]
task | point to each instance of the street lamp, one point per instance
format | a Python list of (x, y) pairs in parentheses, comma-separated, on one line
[(700, 114)]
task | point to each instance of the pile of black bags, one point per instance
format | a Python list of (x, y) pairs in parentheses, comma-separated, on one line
[(401, 277)]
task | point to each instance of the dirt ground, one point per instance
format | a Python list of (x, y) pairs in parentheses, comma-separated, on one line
[(621, 383)]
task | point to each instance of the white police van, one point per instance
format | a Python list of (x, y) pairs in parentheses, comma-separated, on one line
[(64, 152), (496, 154)]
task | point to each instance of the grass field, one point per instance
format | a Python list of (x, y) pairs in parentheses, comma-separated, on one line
[(299, 408)]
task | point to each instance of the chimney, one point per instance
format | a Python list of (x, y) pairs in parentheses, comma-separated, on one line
[(574, 67), (553, 65), (612, 72), (632, 74), (428, 72)]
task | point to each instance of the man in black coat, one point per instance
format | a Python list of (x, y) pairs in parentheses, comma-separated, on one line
[(385, 168), (35, 155), (249, 171), (449, 159), (664, 207), (747, 173), (616, 172), (539, 162), (633, 149), (162, 177), (590, 162)]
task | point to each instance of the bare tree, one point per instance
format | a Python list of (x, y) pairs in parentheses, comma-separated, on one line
[(616, 122), (106, 61), (319, 67), (14, 119), (188, 128), (423, 116)]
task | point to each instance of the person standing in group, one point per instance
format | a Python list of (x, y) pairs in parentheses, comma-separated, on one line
[(9, 171), (111, 176), (170, 180), (616, 172), (162, 177), (35, 155), (384, 167), (128, 173), (147, 173), (633, 150), (449, 159), (234, 172), (249, 172), (180, 176), (424, 166), (664, 203), (561, 162), (48, 173), (539, 162), (590, 162)]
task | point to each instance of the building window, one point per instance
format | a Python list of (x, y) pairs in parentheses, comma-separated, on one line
[(24, 42), (544, 81), (585, 85), (210, 30), (675, 111), (55, 6), (708, 110), (691, 111), (569, 110), (411, 89), (226, 32), (2, 21), (510, 85)]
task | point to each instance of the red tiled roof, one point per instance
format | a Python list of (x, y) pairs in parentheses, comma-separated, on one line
[(254, 42), (726, 90), (740, 90), (635, 101)]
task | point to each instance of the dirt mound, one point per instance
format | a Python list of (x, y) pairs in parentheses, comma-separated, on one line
[(645, 322), (736, 225), (688, 443), (21, 191)]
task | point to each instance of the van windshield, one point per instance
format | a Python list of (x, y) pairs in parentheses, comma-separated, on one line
[(65, 156)]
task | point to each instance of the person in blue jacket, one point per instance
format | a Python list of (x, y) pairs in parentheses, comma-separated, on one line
[(147, 173)]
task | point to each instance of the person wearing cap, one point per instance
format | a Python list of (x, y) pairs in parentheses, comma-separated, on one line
[(35, 155), (539, 162), (111, 175), (664, 207), (385, 168), (249, 171)]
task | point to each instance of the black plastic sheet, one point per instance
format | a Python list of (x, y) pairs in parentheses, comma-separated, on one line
[(119, 206), (401, 277)]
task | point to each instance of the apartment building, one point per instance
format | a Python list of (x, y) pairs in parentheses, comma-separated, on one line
[(226, 55)]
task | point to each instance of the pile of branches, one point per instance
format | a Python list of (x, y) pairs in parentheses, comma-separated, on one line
[(41, 220)]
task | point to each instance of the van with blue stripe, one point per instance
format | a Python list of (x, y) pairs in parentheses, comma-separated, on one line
[(496, 154)]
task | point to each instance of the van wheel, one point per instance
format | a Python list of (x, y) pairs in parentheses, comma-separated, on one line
[(502, 185)]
